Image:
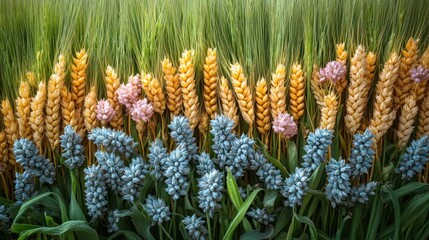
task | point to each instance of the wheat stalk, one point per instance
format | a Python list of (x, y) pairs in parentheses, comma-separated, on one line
[(229, 106), (296, 91), (112, 84), (172, 87), (189, 91), (278, 91), (154, 92), (383, 103), (356, 103), (37, 115), (4, 155), (317, 91), (67, 108), (11, 127), (263, 120), (408, 61), (329, 111), (78, 84), (242, 93), (423, 125), (341, 57), (23, 110), (210, 83), (406, 121), (89, 106), (53, 110)]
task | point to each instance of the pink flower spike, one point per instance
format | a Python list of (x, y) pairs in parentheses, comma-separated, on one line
[(334, 71), (136, 82), (104, 111), (419, 74), (285, 125), (127, 95), (142, 110)]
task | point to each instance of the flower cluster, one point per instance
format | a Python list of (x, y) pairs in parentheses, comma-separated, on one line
[(419, 74), (338, 187), (241, 154), (316, 149), (415, 158), (362, 192), (113, 140), (96, 191), (210, 188), (142, 111), (113, 219), (104, 111), (157, 158), (24, 187), (112, 167), (176, 169), (261, 215), (157, 210), (205, 164), (362, 153), (195, 227), (295, 188), (182, 133), (27, 155), (4, 218), (223, 138), (132, 179), (270, 175), (129, 93), (285, 125), (73, 151), (334, 71)]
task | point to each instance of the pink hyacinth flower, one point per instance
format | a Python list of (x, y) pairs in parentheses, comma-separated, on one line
[(142, 110), (419, 74), (334, 71), (136, 83), (285, 125), (104, 111), (127, 95)]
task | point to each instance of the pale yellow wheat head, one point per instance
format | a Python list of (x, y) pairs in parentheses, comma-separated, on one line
[(53, 111), (10, 127), (23, 110), (406, 121), (341, 57), (112, 84), (89, 107), (329, 111), (229, 106), (316, 89), (37, 115), (242, 93), (67, 108), (278, 91)]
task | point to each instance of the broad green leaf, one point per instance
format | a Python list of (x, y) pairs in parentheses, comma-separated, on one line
[(130, 235), (241, 213), (306, 220), (235, 197), (256, 235), (270, 198), (292, 154), (141, 224), (272, 160), (396, 210), (66, 227)]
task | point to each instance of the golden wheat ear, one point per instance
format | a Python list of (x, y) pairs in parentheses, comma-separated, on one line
[(10, 127), (278, 91), (89, 114), (172, 87), (329, 111), (79, 69), (189, 91), (423, 125), (37, 115), (242, 93), (341, 57), (263, 117), (210, 83), (112, 84), (53, 111), (229, 106), (406, 121), (23, 110), (296, 91)]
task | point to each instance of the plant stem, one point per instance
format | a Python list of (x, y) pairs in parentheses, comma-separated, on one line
[(209, 227)]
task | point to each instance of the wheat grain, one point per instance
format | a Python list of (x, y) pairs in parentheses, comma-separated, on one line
[(210, 83), (408, 61), (23, 110), (355, 104), (263, 119), (53, 110), (31, 79), (154, 92), (229, 106), (341, 57), (67, 108), (204, 123), (112, 84), (78, 84), (383, 103), (316, 89), (296, 91), (4, 155), (89, 114), (423, 124), (242, 93), (37, 115), (278, 91), (11, 127), (172, 87), (60, 68), (406, 121), (329, 111), (189, 92)]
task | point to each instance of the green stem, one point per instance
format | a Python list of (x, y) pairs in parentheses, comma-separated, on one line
[(291, 228), (209, 227)]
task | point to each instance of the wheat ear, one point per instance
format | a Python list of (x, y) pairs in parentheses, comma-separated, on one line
[(329, 111), (383, 103), (263, 118), (78, 85), (341, 57), (229, 106), (317, 91), (112, 84), (89, 106), (406, 121), (409, 60), (53, 110), (31, 78), (370, 71), (278, 91), (172, 87), (189, 91), (420, 90), (210, 83), (37, 115), (356, 104), (23, 110), (67, 108), (204, 122), (4, 156), (242, 93), (423, 125), (60, 68), (154, 92), (11, 127), (296, 91)]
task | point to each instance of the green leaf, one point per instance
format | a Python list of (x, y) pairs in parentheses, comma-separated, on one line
[(256, 235), (306, 220), (140, 222), (241, 213), (396, 210), (66, 227), (235, 197), (127, 234), (270, 198), (272, 160), (292, 154)]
